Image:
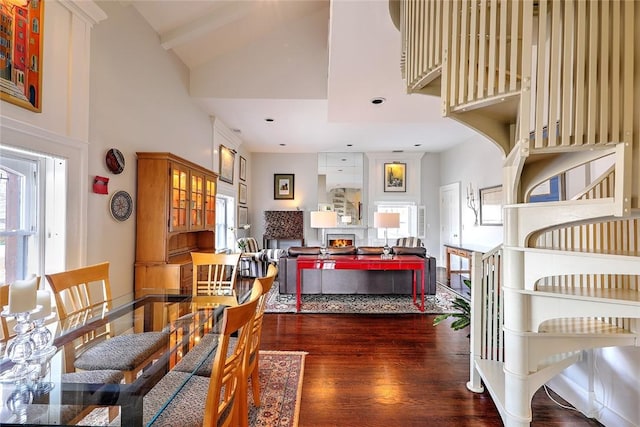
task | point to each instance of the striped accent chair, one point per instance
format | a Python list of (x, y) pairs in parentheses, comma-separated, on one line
[(251, 261), (412, 242), (254, 261)]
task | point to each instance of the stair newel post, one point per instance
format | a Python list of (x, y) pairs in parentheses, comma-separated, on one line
[(476, 334)]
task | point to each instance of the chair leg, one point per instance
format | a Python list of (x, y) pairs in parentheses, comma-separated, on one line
[(242, 403), (255, 386)]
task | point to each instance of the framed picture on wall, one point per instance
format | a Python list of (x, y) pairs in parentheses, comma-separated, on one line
[(243, 216), (283, 186), (22, 61), (491, 205), (395, 177), (227, 163), (242, 194), (243, 169)]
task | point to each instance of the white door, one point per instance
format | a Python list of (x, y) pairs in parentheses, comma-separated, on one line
[(449, 217)]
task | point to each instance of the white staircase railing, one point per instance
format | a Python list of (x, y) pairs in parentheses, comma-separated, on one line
[(487, 336)]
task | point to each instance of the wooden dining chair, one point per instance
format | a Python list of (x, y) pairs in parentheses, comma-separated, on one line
[(86, 291), (220, 408), (251, 363), (214, 276)]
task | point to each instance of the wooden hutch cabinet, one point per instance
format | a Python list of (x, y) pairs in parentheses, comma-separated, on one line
[(176, 214)]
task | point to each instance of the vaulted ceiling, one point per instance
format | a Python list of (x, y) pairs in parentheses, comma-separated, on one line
[(312, 67)]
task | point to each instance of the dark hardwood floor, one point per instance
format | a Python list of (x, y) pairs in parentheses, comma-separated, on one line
[(390, 370)]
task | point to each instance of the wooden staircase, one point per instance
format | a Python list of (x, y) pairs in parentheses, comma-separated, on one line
[(553, 84)]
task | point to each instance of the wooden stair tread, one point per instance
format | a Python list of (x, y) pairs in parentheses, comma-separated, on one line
[(615, 295), (580, 326)]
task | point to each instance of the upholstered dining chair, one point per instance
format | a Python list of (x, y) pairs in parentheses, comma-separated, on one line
[(221, 389), (207, 348), (251, 365), (214, 276), (79, 291)]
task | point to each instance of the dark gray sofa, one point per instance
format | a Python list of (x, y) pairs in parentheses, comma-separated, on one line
[(354, 281)]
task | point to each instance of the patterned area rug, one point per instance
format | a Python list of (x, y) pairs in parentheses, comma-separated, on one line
[(362, 304), (281, 374)]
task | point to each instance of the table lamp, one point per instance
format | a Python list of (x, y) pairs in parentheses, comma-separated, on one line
[(322, 220), (386, 220)]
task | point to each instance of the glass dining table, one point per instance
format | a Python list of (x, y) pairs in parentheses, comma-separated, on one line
[(46, 396)]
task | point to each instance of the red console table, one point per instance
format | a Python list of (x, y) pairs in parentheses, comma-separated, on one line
[(361, 262)]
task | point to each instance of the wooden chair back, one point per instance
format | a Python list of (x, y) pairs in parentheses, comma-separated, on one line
[(214, 274), (252, 353), (79, 289), (227, 371)]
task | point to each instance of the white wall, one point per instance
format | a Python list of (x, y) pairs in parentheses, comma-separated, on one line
[(263, 166), (430, 176), (479, 162), (61, 129), (139, 102)]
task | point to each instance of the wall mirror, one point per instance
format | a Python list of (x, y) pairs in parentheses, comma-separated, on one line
[(491, 205), (340, 178)]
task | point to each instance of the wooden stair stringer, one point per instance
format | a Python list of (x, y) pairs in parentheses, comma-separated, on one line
[(547, 348), (540, 263), (534, 217), (494, 127), (545, 306), (537, 171)]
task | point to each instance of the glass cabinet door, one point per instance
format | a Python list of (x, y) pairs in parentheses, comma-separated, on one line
[(210, 202), (179, 197), (197, 201)]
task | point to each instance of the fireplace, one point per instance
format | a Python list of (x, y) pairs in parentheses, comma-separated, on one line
[(340, 240)]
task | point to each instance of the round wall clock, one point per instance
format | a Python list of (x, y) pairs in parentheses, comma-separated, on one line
[(121, 205)]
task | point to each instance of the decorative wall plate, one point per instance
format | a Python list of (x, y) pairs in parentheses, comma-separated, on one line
[(115, 161), (121, 205)]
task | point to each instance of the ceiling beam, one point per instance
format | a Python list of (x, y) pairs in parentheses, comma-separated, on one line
[(216, 18)]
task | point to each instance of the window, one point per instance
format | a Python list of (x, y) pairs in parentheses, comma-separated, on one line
[(225, 219), (408, 221), (24, 248)]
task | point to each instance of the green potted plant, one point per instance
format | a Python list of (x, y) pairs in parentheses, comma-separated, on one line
[(463, 316)]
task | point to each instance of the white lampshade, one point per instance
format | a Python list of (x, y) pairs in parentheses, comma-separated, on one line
[(386, 220), (323, 219)]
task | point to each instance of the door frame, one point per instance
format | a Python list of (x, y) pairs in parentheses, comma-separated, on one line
[(455, 219)]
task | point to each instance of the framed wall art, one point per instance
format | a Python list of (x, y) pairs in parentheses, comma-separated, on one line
[(243, 216), (283, 186), (491, 205), (227, 163), (242, 194), (395, 177), (243, 169), (21, 57)]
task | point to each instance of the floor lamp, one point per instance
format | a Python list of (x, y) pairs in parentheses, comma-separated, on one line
[(322, 220), (386, 220)]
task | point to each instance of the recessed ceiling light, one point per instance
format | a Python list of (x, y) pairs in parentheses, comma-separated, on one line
[(378, 100), (269, 120), (349, 145), (283, 145), (417, 145), (236, 130), (397, 151)]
